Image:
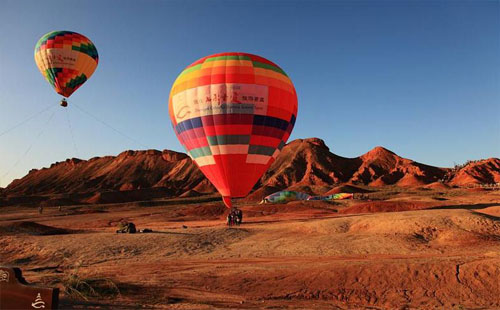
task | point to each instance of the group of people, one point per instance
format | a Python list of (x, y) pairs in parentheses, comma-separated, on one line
[(126, 227), (235, 217)]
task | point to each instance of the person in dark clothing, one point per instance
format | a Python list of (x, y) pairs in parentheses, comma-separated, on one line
[(239, 216), (131, 228), (229, 219)]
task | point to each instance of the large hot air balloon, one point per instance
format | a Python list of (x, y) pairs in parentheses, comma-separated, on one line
[(66, 59), (233, 113)]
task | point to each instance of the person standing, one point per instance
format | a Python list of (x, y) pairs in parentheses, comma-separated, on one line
[(239, 216)]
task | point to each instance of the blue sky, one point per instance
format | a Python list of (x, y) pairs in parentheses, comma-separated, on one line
[(420, 78)]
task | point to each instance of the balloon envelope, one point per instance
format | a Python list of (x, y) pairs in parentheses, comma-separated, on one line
[(233, 113), (66, 59), (338, 196), (286, 196)]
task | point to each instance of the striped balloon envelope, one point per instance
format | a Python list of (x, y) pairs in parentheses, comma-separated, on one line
[(66, 59), (233, 113)]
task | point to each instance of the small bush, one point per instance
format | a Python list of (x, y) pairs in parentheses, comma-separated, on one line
[(85, 288)]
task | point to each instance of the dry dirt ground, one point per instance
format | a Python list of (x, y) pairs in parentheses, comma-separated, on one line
[(441, 250)]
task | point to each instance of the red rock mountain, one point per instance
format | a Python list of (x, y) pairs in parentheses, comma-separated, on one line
[(305, 164), (132, 175)]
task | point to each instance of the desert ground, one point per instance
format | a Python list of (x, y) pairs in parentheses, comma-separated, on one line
[(424, 248)]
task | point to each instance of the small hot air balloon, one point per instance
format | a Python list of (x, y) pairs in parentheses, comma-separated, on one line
[(233, 113), (66, 59)]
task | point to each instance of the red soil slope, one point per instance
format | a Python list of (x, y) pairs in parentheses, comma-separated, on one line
[(485, 171)]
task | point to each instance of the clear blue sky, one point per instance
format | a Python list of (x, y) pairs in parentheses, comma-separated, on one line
[(420, 78)]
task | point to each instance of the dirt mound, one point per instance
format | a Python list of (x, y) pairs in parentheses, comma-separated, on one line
[(387, 206), (410, 180), (32, 228), (437, 186)]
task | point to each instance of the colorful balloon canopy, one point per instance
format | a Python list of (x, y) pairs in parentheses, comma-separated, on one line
[(66, 59), (285, 196), (233, 113), (339, 196)]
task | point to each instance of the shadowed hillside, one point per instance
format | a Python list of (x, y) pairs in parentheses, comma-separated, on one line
[(309, 162)]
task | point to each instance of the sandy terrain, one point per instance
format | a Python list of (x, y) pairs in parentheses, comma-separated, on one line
[(441, 250)]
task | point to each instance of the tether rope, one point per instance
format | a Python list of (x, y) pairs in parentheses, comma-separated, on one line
[(109, 126), (29, 147), (71, 132), (27, 119)]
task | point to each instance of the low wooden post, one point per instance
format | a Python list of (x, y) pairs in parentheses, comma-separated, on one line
[(16, 293)]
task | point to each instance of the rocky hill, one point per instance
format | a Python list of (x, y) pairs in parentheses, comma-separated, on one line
[(305, 164), (309, 162)]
